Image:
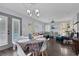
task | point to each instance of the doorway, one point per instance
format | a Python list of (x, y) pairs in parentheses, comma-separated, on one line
[(15, 29)]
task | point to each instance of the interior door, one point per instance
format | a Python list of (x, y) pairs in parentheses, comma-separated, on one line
[(3, 30), (15, 29)]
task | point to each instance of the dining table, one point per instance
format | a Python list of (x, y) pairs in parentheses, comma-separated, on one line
[(28, 41), (34, 45)]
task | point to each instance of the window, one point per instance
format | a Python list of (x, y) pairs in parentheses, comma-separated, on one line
[(3, 30)]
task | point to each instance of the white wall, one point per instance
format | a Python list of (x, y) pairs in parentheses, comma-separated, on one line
[(25, 21), (37, 26), (47, 27), (78, 23)]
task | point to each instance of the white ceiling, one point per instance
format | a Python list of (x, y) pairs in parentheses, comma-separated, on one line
[(48, 11)]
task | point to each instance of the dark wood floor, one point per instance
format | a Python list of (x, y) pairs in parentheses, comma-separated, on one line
[(8, 52), (57, 49), (53, 49)]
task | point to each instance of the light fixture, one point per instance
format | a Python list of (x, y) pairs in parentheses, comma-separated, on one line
[(33, 12), (29, 12), (52, 21), (37, 12)]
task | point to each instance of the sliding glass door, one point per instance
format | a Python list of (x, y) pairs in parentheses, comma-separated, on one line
[(3, 30), (15, 29)]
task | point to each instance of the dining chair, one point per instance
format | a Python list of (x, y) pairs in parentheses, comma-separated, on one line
[(34, 48), (14, 45), (20, 51), (44, 48)]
